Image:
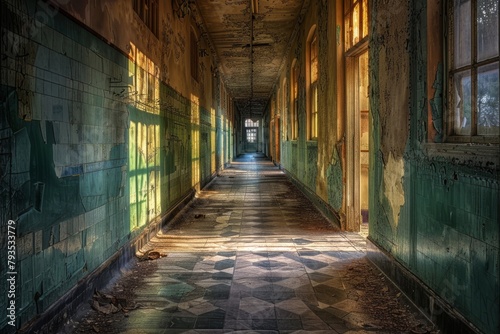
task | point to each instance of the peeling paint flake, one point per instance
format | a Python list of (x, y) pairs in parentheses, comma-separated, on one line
[(393, 185)]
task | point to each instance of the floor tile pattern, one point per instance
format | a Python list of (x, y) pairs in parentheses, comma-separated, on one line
[(252, 255)]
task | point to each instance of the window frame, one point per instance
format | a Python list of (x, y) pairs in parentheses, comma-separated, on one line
[(249, 123), (437, 144), (451, 71), (313, 84), (294, 97), (194, 57), (251, 135), (363, 23), (148, 12), (284, 111), (251, 130)]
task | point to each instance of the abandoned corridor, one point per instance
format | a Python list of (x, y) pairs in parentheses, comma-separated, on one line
[(252, 255)]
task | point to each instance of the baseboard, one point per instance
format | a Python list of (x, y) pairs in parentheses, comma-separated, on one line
[(54, 317), (443, 315)]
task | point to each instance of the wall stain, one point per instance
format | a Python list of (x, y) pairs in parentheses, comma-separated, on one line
[(436, 104)]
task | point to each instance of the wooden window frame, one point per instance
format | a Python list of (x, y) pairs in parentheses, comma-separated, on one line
[(313, 86), (294, 108), (349, 10), (148, 12), (472, 67)]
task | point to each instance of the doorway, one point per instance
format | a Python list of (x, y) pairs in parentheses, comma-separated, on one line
[(277, 141), (251, 135), (358, 144), (364, 135)]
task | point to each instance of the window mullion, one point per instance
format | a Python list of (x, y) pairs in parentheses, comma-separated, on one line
[(474, 68)]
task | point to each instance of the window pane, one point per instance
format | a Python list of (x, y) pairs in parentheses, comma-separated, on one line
[(295, 83), (347, 30), (487, 29), (363, 82), (295, 119), (314, 111), (314, 59), (365, 18), (462, 103), (462, 33), (355, 24), (251, 135), (488, 112), (249, 123)]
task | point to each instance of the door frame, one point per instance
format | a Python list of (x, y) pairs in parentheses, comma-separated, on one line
[(353, 147)]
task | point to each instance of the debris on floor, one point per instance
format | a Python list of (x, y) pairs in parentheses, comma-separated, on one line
[(108, 304), (151, 255), (253, 255)]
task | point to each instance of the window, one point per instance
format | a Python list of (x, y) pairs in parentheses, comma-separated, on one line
[(251, 124), (294, 110), (284, 131), (251, 135), (251, 130), (355, 22), (313, 88), (194, 56), (148, 12), (473, 71)]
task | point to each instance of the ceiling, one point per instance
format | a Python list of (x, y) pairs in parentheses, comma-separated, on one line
[(250, 39)]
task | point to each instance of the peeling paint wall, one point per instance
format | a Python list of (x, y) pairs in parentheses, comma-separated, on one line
[(435, 210), (389, 106), (393, 187), (101, 133), (390, 64), (316, 164)]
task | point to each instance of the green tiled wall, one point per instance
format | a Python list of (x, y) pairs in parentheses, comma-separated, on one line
[(457, 240), (65, 147), (447, 233)]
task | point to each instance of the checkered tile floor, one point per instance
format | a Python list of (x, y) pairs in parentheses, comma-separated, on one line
[(252, 255)]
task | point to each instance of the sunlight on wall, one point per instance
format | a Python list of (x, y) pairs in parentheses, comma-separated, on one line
[(213, 133), (144, 141), (195, 142), (146, 81)]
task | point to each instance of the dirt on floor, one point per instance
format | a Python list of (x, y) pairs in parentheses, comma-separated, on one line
[(387, 306)]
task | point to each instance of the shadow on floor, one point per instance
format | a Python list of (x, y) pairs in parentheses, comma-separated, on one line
[(252, 255)]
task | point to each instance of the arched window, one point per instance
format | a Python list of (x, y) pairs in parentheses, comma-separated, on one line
[(249, 123)]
